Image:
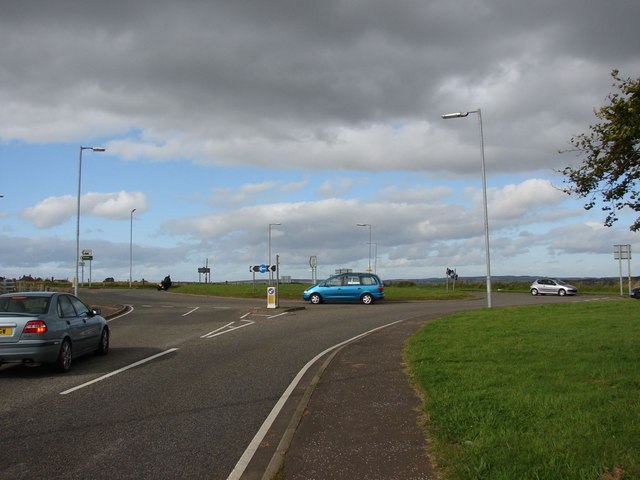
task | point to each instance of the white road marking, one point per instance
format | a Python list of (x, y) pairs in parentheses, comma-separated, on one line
[(129, 310), (190, 311), (227, 328), (248, 454), (116, 372)]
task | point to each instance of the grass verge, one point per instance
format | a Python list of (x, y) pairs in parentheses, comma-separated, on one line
[(293, 291), (545, 392)]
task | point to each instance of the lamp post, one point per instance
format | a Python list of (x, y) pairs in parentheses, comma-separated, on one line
[(95, 149), (484, 195), (131, 248), (367, 225), (375, 257), (270, 271)]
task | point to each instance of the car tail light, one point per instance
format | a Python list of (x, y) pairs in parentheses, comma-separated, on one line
[(380, 288), (35, 326)]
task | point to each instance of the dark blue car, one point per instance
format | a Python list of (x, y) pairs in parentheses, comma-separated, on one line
[(347, 287)]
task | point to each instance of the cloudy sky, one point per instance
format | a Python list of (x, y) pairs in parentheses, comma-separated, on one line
[(222, 117)]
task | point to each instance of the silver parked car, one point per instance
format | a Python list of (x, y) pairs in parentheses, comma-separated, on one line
[(49, 327), (552, 286)]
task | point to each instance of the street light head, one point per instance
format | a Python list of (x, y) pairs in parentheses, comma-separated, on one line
[(362, 225), (455, 115), (98, 149)]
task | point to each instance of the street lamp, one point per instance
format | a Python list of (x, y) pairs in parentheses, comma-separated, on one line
[(95, 149), (367, 225), (375, 257), (131, 248), (484, 195), (270, 271)]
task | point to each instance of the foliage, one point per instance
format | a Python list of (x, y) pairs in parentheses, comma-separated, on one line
[(611, 168)]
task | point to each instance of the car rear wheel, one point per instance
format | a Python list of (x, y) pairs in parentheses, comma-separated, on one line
[(562, 292), (63, 363), (534, 291), (315, 298), (103, 346), (366, 298)]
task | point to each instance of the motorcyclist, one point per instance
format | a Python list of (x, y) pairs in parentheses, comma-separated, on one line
[(165, 284)]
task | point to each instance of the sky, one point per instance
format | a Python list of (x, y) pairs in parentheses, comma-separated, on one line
[(221, 119)]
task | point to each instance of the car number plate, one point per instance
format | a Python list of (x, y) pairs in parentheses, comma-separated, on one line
[(6, 331)]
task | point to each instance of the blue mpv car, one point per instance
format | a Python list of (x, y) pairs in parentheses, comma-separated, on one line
[(347, 287)]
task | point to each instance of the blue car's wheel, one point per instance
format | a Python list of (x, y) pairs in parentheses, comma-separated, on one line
[(366, 298), (315, 298)]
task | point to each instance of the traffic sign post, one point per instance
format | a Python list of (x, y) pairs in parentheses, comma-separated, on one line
[(313, 263), (207, 274), (272, 297), (272, 292), (263, 268), (87, 254), (623, 252)]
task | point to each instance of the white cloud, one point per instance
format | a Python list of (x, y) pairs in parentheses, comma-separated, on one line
[(56, 210), (51, 211), (531, 198)]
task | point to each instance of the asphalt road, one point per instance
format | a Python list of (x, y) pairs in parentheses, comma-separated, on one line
[(188, 383)]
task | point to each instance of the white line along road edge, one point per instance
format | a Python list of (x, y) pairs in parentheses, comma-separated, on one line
[(246, 457)]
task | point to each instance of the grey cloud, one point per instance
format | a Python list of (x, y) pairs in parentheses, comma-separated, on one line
[(267, 68)]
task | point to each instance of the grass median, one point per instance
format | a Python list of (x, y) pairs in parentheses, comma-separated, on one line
[(544, 392)]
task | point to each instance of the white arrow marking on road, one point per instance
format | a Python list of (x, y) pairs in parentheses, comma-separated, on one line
[(226, 329)]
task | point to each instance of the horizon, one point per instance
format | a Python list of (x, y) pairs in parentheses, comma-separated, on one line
[(226, 133)]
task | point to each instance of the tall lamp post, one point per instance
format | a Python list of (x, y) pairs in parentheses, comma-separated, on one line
[(367, 225), (95, 149), (131, 248), (270, 271), (484, 195), (375, 257)]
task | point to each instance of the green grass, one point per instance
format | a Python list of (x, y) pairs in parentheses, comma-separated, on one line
[(544, 392), (395, 291), (293, 291)]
